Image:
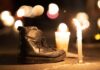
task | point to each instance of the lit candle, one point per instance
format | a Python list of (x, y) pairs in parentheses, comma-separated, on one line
[(79, 40), (83, 17), (62, 37)]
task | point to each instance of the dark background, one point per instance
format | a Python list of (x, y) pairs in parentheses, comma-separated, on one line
[(72, 7)]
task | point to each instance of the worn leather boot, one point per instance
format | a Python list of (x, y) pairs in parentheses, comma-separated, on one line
[(34, 48)]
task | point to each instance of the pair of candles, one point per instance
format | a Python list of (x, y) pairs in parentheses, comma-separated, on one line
[(62, 36)]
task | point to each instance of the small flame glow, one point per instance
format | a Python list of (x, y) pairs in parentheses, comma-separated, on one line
[(98, 22), (79, 28), (18, 23), (82, 17), (77, 23), (62, 27), (98, 3)]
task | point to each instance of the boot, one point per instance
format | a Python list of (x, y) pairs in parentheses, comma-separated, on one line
[(34, 47)]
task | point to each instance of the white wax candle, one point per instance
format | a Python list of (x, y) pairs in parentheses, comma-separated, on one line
[(62, 37), (79, 40), (79, 45)]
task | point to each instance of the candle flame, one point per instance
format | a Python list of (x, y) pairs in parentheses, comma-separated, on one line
[(62, 27), (82, 17), (77, 23), (83, 24), (79, 28)]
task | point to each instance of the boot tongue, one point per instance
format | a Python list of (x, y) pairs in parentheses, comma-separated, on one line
[(35, 34), (37, 39)]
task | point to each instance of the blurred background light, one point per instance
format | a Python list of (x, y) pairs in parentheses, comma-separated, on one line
[(9, 21), (17, 24), (7, 18), (97, 36), (43, 13), (76, 22), (53, 8), (98, 3), (82, 17), (20, 13), (4, 15), (98, 22), (25, 11), (53, 11), (52, 16), (62, 27), (85, 24), (37, 10)]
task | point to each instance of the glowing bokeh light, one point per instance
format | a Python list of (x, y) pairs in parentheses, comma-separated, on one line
[(53, 8), (37, 10), (77, 23), (85, 24), (98, 3), (53, 11), (25, 11), (82, 17), (17, 24), (98, 22), (20, 13), (4, 15), (97, 36), (54, 16), (7, 19), (62, 27)]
